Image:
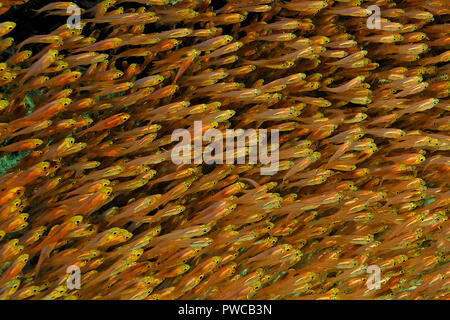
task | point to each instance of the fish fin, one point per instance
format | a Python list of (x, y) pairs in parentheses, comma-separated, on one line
[(45, 253)]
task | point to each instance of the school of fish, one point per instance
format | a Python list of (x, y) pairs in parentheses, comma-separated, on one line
[(364, 160)]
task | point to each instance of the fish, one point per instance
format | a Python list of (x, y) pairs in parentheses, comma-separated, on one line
[(87, 124), (108, 123)]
